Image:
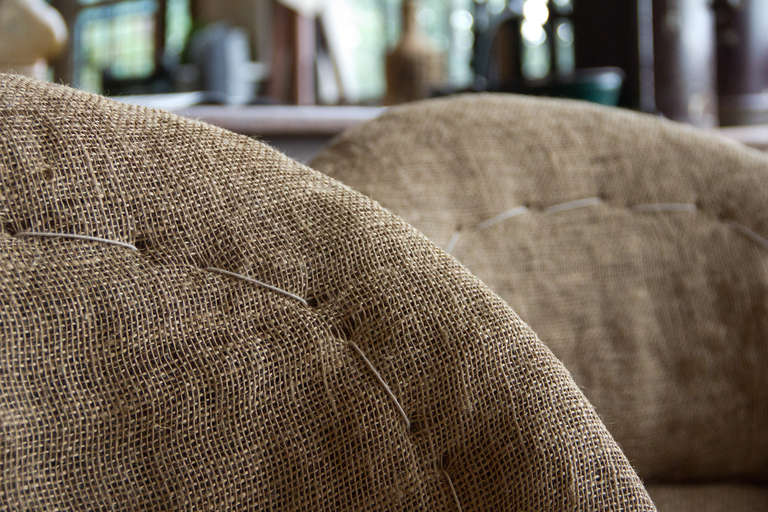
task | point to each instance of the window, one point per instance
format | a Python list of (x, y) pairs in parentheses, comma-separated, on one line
[(447, 22), (120, 36), (547, 28)]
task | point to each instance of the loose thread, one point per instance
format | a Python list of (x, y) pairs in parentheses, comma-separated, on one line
[(572, 205), (46, 234), (257, 283), (593, 201), (453, 490), (383, 383), (451, 245), (514, 212), (744, 230)]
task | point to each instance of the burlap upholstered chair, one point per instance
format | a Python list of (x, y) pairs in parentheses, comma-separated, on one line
[(192, 321), (636, 248)]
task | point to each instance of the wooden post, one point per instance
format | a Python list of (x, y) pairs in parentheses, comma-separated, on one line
[(292, 74), (305, 42), (684, 40), (63, 65), (161, 23)]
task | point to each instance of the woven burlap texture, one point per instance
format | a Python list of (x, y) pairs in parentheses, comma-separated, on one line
[(635, 247), (145, 380)]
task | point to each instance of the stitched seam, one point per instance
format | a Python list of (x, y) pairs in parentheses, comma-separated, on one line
[(73, 236), (383, 383), (126, 245), (453, 489), (261, 284), (594, 201)]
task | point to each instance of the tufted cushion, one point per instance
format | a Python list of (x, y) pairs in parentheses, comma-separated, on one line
[(635, 247), (221, 328)]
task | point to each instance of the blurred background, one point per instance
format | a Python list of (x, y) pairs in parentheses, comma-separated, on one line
[(703, 62)]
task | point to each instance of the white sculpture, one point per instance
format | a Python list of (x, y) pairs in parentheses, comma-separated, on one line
[(31, 32)]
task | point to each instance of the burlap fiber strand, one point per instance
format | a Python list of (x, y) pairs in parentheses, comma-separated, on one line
[(144, 380), (635, 247)]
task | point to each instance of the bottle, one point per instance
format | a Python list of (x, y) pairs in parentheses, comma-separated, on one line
[(414, 67)]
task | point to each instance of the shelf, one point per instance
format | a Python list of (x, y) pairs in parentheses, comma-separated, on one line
[(755, 136), (327, 121), (283, 120)]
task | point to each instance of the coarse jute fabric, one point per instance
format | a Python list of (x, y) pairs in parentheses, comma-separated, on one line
[(148, 379), (635, 247)]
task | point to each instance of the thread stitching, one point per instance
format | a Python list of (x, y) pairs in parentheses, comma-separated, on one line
[(251, 280), (383, 383), (453, 490), (593, 201), (245, 278), (126, 245), (518, 210), (452, 242), (572, 205), (262, 284), (744, 230)]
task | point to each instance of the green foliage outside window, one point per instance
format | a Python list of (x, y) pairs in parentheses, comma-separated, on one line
[(120, 37)]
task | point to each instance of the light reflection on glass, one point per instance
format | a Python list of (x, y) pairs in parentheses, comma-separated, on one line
[(565, 32), (461, 19), (536, 11), (563, 6), (566, 57), (533, 33), (496, 6)]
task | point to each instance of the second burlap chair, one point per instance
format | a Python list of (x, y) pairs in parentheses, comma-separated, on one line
[(635, 247)]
